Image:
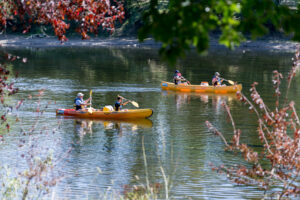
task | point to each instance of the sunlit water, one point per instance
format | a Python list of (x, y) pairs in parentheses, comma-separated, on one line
[(176, 138)]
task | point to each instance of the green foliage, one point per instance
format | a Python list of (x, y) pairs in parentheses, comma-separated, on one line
[(187, 23), (134, 10)]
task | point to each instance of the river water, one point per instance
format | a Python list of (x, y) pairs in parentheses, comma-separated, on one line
[(107, 156)]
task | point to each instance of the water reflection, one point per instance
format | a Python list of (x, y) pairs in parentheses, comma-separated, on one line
[(133, 124), (85, 126), (216, 100), (104, 144), (178, 136), (121, 126)]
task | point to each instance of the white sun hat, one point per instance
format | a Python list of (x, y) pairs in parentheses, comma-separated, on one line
[(80, 94)]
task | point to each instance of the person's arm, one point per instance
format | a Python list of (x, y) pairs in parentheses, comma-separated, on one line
[(89, 99), (125, 103), (83, 103)]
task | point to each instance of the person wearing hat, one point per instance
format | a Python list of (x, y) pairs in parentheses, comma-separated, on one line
[(216, 80), (79, 102), (178, 77)]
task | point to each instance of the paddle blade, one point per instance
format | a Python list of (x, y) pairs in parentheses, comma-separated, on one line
[(135, 104), (90, 110), (231, 82), (91, 93)]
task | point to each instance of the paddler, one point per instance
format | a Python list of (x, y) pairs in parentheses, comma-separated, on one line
[(178, 78), (119, 103), (79, 102), (216, 80)]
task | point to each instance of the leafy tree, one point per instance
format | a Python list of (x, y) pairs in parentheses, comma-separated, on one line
[(134, 10), (88, 15), (186, 23)]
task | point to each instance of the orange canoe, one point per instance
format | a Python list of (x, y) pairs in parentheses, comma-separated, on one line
[(201, 88)]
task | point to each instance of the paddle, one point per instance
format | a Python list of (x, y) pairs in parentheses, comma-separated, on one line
[(90, 109), (186, 80), (135, 104), (229, 81)]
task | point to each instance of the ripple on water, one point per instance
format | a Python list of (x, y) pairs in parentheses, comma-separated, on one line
[(177, 138)]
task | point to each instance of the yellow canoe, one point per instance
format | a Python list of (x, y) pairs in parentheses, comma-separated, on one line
[(201, 88), (99, 114)]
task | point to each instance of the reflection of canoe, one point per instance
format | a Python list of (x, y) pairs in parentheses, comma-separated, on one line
[(185, 97), (123, 114), (144, 123), (141, 122), (201, 88), (194, 94)]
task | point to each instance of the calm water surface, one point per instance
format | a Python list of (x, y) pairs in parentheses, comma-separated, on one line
[(175, 137)]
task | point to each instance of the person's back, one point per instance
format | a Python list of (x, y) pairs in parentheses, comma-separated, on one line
[(118, 104), (78, 103)]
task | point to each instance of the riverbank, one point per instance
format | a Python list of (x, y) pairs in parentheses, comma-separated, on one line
[(266, 44)]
